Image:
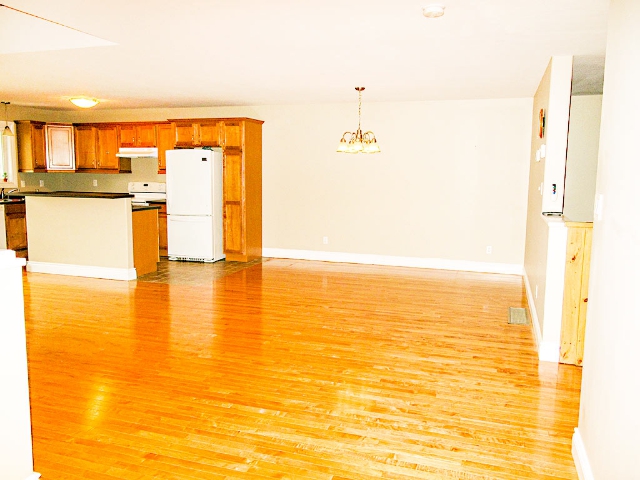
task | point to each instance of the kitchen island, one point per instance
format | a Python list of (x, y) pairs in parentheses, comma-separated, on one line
[(89, 234)]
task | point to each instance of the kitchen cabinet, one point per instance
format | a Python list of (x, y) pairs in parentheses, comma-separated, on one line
[(60, 147), (107, 147), (31, 146), (86, 147), (165, 141), (96, 146), (242, 188), (137, 134), (144, 226), (201, 132), (163, 244), (15, 228)]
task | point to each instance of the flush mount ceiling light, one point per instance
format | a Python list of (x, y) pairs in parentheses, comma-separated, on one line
[(433, 11), (358, 142), (7, 131), (84, 102)]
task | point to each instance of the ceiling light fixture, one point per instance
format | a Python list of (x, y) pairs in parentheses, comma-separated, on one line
[(358, 142), (433, 11), (84, 102), (7, 131)]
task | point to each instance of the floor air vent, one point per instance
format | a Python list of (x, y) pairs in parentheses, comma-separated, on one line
[(518, 316), (191, 259)]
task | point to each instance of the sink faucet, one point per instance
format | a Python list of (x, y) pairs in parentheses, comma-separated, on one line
[(6, 194)]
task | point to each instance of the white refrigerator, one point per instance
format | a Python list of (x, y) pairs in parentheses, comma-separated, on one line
[(194, 204)]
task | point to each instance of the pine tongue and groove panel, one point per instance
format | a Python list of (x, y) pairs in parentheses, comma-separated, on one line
[(297, 370)]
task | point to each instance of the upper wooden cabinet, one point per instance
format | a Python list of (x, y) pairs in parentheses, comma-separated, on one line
[(165, 141), (137, 134), (86, 147), (60, 147), (31, 146), (233, 134), (96, 146), (107, 147), (200, 132)]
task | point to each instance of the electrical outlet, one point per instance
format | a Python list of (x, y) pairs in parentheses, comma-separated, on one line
[(42, 183), (325, 240), (95, 182), (22, 184), (489, 249)]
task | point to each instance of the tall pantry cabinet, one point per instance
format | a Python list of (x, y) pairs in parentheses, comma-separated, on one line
[(241, 141)]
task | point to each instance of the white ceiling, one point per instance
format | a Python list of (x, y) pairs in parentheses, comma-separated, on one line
[(250, 52)]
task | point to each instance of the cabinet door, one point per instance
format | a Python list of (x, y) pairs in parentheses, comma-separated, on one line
[(108, 147), (16, 225), (233, 135), (210, 134), (86, 139), (38, 146), (127, 135), (165, 142), (146, 135), (233, 203), (162, 230), (185, 134), (60, 148)]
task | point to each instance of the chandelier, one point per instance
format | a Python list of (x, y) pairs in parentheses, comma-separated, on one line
[(7, 131), (358, 142)]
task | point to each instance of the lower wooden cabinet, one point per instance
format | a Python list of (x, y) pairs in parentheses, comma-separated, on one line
[(163, 244), (144, 225), (15, 226)]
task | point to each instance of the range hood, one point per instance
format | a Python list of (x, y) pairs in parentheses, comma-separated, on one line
[(137, 152)]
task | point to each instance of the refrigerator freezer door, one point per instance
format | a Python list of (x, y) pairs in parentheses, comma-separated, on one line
[(191, 238), (189, 182)]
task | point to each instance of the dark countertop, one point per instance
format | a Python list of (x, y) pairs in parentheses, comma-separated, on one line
[(105, 195), (9, 201), (137, 208)]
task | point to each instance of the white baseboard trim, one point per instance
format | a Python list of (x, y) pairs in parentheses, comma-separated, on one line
[(33, 476), (580, 457), (393, 261), (547, 351), (82, 270)]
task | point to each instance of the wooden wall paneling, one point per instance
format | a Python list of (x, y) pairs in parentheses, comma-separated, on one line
[(575, 297)]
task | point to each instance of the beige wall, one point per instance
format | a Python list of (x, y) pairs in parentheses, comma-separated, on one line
[(450, 181), (609, 426), (582, 157)]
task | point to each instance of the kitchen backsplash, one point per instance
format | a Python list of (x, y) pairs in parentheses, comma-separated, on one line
[(142, 170)]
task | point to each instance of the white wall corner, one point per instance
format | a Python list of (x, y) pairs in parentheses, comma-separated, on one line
[(395, 261), (580, 457)]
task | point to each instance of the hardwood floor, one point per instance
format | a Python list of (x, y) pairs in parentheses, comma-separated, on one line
[(293, 370)]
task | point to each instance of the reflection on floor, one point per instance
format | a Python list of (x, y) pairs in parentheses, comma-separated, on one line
[(195, 273)]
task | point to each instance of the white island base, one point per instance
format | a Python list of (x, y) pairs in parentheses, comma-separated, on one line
[(81, 236)]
